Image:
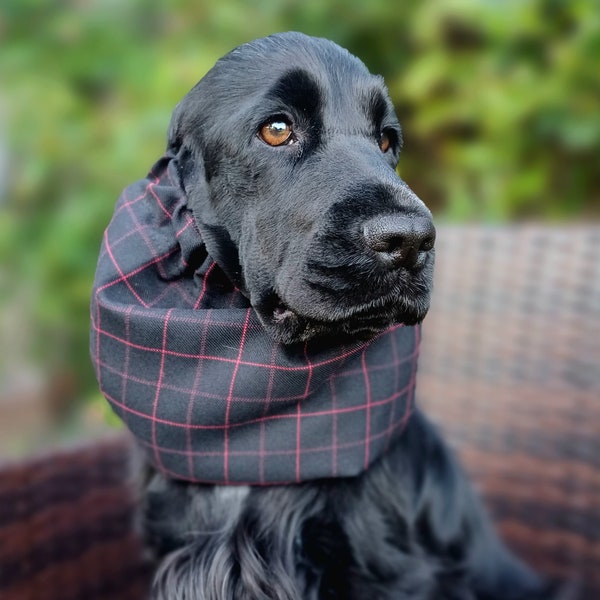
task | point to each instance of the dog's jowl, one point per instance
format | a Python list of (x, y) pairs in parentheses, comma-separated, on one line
[(255, 323)]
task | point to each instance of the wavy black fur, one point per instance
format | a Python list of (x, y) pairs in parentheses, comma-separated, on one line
[(410, 528)]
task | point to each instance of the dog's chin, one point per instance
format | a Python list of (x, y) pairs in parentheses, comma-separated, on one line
[(289, 326)]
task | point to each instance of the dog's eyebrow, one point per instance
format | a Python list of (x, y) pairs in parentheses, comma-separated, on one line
[(376, 105), (298, 90)]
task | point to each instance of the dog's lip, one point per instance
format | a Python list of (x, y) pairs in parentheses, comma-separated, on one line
[(288, 325), (370, 313)]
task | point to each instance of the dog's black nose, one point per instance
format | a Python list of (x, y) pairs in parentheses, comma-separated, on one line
[(400, 240)]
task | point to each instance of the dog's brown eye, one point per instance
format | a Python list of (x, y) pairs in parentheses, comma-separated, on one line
[(384, 142), (276, 133)]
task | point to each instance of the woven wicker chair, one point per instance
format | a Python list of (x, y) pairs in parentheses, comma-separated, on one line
[(510, 369)]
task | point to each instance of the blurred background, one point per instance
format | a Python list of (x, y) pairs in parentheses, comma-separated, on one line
[(499, 102)]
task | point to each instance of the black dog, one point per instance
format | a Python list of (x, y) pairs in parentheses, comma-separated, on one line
[(290, 148)]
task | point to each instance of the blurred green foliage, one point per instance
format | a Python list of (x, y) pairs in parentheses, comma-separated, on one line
[(499, 100)]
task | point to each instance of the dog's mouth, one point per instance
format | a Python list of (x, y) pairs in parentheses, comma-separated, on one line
[(289, 325)]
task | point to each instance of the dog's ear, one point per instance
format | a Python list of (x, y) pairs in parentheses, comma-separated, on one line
[(184, 141), (186, 121), (174, 132)]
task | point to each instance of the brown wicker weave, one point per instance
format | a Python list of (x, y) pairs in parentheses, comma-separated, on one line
[(510, 369)]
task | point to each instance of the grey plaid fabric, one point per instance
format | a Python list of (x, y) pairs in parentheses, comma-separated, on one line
[(184, 361)]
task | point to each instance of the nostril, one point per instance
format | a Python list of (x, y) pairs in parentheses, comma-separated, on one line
[(384, 243), (427, 244)]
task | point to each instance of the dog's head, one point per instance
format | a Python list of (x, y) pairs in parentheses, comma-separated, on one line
[(288, 151)]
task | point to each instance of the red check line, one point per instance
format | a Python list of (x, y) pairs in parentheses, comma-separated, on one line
[(161, 374), (116, 242), (189, 222), (334, 433), (125, 277), (299, 413), (274, 453), (263, 424), (197, 393), (318, 413), (124, 380), (363, 362), (129, 203), (192, 397), (245, 363), (413, 375), (150, 188), (230, 398), (141, 230), (271, 453), (204, 283), (397, 362)]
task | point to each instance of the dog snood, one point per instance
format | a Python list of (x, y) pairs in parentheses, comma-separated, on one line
[(184, 361)]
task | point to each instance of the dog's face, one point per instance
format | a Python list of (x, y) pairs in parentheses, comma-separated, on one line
[(288, 151)]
